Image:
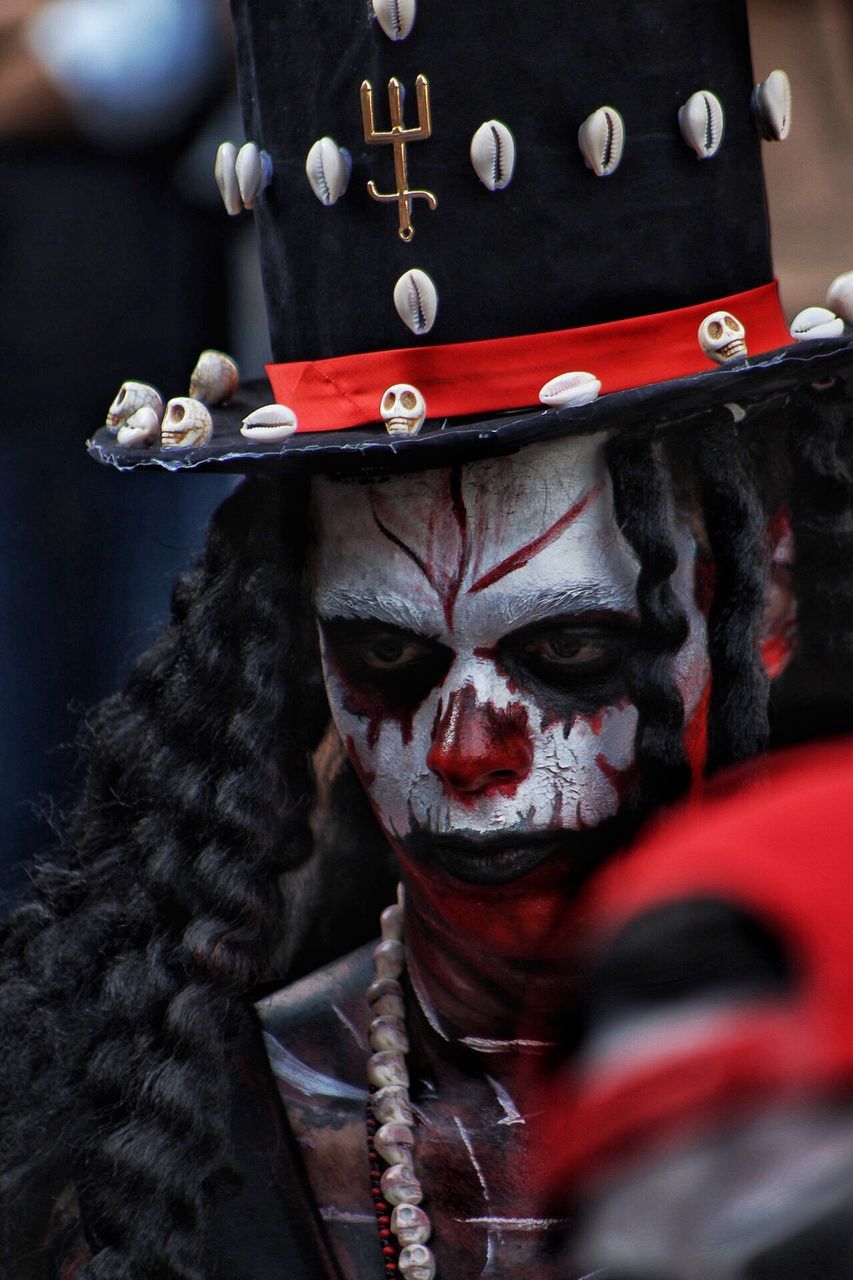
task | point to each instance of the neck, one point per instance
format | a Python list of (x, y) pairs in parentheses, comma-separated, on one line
[(491, 970)]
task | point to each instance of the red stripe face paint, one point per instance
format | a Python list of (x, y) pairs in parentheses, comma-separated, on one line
[(474, 622)]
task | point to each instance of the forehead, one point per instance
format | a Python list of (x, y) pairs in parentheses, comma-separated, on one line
[(503, 538)]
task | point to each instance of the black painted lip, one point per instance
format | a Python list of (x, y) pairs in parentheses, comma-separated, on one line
[(476, 859)]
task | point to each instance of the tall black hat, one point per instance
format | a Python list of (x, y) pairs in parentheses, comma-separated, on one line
[(517, 220)]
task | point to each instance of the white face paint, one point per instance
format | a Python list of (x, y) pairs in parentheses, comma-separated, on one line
[(473, 625)]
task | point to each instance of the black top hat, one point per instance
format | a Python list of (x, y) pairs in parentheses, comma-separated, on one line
[(461, 204)]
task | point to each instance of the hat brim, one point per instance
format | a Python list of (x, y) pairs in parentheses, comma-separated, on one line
[(745, 384)]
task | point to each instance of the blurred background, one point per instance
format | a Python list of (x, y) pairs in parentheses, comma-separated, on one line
[(118, 261)]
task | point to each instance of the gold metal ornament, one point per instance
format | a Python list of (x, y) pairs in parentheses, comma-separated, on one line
[(398, 136)]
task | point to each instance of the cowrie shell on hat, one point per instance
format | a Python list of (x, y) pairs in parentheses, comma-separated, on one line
[(395, 17), (416, 300), (771, 106), (225, 173), (601, 139), (493, 154), (815, 323), (570, 389), (702, 121), (328, 168), (839, 296), (270, 422), (254, 172)]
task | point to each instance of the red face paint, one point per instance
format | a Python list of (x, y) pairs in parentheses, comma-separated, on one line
[(477, 747)]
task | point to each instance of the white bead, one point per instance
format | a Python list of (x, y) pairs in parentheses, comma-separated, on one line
[(771, 106), (601, 139), (387, 1067), (391, 923), (570, 389), (389, 959), (722, 337), (410, 1224), (417, 1263), (132, 396), (388, 1033), (839, 296), (215, 378), (702, 122), (815, 323), (400, 1186), (254, 172), (271, 422), (225, 172), (140, 428), (416, 300), (328, 169), (493, 155), (394, 1143), (391, 1105), (395, 17), (187, 423)]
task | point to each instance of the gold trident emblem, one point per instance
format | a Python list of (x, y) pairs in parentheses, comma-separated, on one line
[(398, 136)]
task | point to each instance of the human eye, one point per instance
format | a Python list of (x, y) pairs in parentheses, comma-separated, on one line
[(392, 652), (567, 650)]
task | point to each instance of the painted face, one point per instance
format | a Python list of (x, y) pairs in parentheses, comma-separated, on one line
[(473, 623)]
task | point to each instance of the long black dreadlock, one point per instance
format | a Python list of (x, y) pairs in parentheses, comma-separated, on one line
[(129, 975)]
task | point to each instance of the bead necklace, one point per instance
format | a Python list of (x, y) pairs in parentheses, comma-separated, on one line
[(404, 1227)]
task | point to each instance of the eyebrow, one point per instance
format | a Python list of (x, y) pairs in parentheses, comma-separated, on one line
[(520, 609)]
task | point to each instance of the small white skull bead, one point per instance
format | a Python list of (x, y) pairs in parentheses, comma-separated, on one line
[(394, 1143), (388, 1032), (391, 1105), (417, 1263), (187, 423), (214, 379), (403, 410), (722, 337), (387, 1067), (141, 428), (133, 396), (400, 1185), (410, 1224)]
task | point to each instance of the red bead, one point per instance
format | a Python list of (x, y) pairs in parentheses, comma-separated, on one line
[(388, 1251), (381, 1206), (384, 1220), (384, 1233)]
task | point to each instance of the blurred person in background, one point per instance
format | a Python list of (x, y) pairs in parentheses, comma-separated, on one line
[(705, 1128), (114, 258)]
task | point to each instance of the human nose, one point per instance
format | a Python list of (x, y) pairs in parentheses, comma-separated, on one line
[(476, 746)]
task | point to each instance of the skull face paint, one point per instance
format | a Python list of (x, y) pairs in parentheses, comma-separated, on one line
[(473, 623)]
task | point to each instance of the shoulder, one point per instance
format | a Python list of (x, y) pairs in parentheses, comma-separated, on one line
[(315, 1031)]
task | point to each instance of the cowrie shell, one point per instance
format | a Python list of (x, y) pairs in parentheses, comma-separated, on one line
[(702, 121), (271, 422), (139, 429), (839, 296), (814, 323), (416, 300), (225, 172), (493, 154), (771, 106), (570, 389), (254, 172), (601, 139), (215, 378), (186, 423), (395, 17), (328, 167)]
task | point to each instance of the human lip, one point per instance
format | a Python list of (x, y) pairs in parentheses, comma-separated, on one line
[(478, 859)]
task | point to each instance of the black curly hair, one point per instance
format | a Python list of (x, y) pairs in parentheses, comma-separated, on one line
[(130, 974)]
